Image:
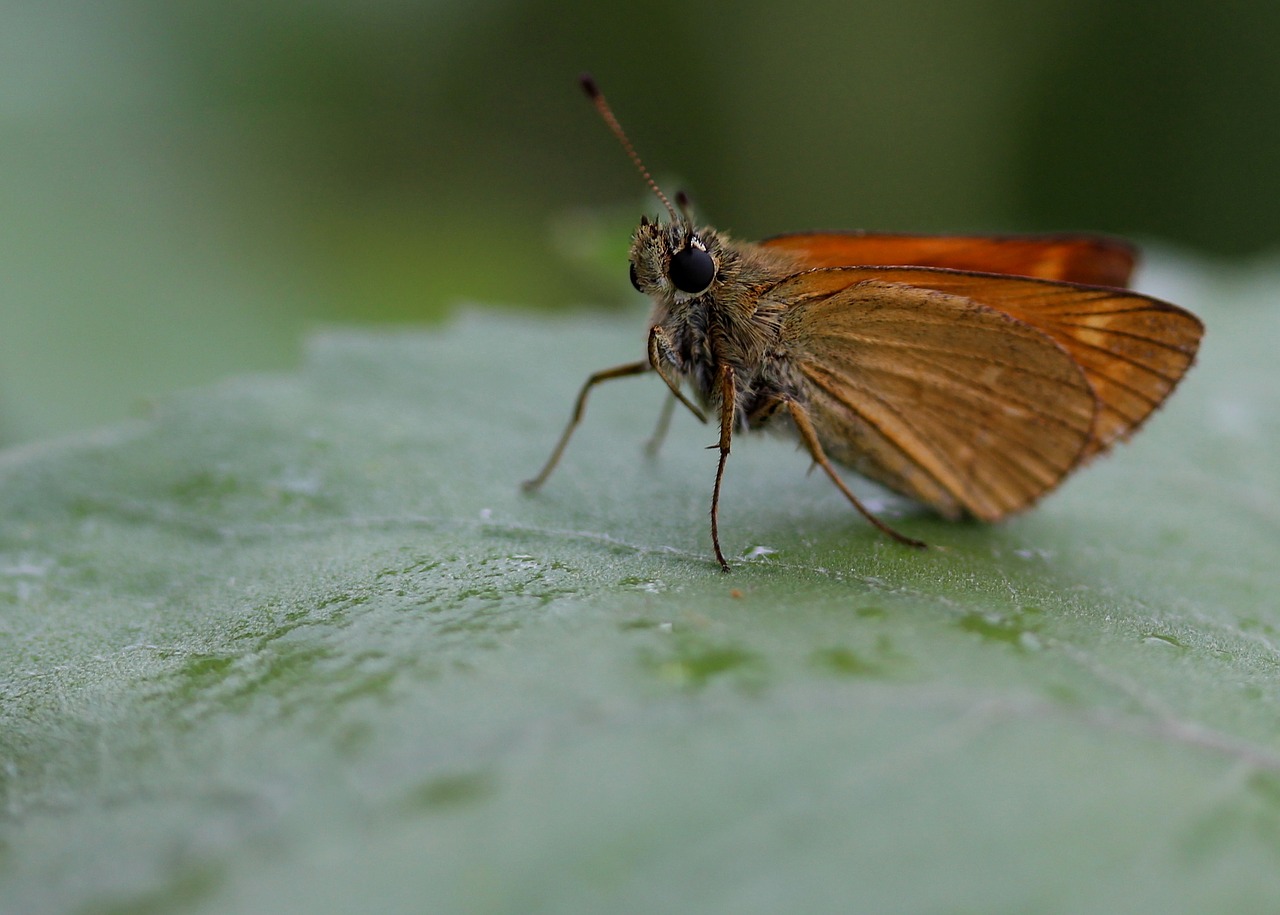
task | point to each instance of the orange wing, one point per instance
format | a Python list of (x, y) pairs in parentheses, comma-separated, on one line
[(914, 383), (939, 397), (1133, 349), (1087, 259)]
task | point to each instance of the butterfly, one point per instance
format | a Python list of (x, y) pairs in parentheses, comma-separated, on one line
[(971, 374)]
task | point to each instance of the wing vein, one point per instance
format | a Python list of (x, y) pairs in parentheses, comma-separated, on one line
[(1116, 332)]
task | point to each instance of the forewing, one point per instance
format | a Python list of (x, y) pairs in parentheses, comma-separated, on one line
[(937, 396), (1087, 259), (1133, 349)]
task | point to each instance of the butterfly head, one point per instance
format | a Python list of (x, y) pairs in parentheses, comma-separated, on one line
[(674, 261)]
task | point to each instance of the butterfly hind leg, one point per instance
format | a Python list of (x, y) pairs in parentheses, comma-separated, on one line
[(809, 435)]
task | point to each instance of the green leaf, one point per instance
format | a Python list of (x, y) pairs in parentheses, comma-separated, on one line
[(297, 643)]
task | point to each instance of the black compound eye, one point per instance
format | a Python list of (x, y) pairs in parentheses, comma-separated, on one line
[(635, 281), (692, 269)]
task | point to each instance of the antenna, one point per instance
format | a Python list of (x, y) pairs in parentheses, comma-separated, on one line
[(602, 106), (685, 205)]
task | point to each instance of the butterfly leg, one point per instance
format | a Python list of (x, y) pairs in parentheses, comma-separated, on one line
[(660, 431), (661, 356), (728, 408), (579, 407), (800, 416)]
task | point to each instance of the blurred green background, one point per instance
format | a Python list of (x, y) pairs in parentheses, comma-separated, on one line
[(187, 187)]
